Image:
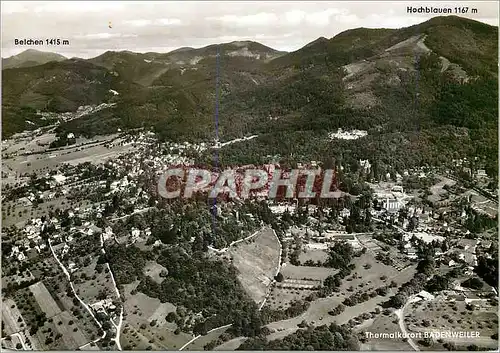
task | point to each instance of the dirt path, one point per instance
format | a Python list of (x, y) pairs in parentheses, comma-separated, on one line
[(196, 337), (76, 295), (278, 268), (120, 321), (400, 314), (220, 251)]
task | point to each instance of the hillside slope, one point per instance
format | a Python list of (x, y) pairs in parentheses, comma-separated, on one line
[(412, 89), (30, 57)]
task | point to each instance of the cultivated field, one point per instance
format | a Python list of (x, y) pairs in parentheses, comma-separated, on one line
[(44, 299)]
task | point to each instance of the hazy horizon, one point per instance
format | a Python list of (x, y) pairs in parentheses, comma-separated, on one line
[(165, 26)]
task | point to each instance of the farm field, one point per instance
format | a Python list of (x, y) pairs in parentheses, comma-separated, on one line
[(44, 299)]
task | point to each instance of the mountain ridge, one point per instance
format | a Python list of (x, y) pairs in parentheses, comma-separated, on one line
[(385, 81), (31, 57)]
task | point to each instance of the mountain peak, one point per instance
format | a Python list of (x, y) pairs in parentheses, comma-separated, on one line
[(31, 57)]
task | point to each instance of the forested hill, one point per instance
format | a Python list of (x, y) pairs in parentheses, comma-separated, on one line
[(425, 94)]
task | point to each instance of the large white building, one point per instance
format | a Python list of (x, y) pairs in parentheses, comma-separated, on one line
[(391, 205)]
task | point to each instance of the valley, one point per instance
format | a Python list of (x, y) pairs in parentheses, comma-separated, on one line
[(94, 257)]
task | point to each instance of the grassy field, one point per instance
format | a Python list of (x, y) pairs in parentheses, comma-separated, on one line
[(93, 283), (10, 317), (311, 254), (317, 313), (231, 345), (153, 270), (46, 161), (257, 260), (21, 213), (141, 312), (442, 314), (71, 338), (306, 272), (384, 324), (198, 344), (281, 298), (368, 274)]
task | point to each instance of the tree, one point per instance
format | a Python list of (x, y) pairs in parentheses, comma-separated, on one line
[(171, 317), (427, 266), (438, 283), (398, 300), (279, 277), (474, 283)]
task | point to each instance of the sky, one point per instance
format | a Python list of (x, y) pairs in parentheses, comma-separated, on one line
[(163, 26)]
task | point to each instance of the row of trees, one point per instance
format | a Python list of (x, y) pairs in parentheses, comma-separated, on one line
[(328, 338)]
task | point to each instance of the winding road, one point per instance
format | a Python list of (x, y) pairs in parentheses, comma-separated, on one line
[(400, 314)]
